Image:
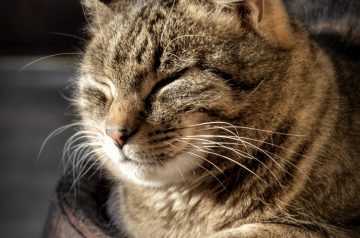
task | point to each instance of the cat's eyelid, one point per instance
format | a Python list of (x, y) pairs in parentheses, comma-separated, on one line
[(109, 84), (166, 81), (104, 84)]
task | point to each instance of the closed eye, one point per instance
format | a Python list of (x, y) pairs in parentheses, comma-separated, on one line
[(105, 86), (163, 83), (95, 95), (167, 81)]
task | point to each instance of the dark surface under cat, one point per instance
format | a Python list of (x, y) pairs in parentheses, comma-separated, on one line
[(31, 107)]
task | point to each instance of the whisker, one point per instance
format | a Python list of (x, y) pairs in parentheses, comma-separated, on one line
[(69, 145), (55, 133), (86, 158), (181, 174), (77, 150), (81, 174), (246, 155), (243, 139), (44, 58), (280, 157), (227, 130), (268, 154), (66, 34), (236, 162), (76, 157), (262, 81), (199, 156), (229, 125), (271, 144), (84, 150), (217, 179), (156, 159), (251, 145), (102, 161)]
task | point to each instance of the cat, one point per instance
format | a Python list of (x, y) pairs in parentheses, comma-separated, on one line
[(219, 118)]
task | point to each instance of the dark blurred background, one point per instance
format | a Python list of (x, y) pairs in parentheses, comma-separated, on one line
[(32, 105), (35, 27)]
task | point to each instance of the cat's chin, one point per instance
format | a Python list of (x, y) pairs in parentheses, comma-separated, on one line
[(156, 175), (176, 170)]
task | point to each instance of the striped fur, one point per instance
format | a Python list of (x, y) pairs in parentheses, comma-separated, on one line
[(239, 127)]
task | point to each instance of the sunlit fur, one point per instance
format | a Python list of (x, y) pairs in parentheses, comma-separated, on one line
[(238, 127)]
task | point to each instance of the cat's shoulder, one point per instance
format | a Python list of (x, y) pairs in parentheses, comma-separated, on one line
[(335, 27)]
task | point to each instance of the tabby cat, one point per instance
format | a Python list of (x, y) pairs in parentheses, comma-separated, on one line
[(219, 118)]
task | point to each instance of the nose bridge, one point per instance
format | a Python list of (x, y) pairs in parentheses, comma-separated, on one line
[(123, 115)]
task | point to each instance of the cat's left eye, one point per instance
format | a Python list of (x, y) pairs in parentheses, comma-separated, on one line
[(168, 81)]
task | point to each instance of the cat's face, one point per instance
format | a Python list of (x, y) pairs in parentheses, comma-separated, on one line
[(163, 84)]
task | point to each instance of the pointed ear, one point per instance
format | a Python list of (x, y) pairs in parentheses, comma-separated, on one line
[(273, 22), (98, 13), (268, 17)]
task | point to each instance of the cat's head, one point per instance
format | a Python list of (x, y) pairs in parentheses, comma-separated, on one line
[(168, 87)]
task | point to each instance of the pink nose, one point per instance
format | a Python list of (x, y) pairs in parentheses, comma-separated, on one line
[(119, 136)]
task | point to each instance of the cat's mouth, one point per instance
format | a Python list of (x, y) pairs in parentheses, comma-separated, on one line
[(135, 163), (129, 154)]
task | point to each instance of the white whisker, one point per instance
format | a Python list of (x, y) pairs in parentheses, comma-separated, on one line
[(236, 162), (201, 157), (90, 159), (66, 34), (55, 133), (238, 152), (46, 57), (229, 125), (277, 146), (181, 174), (255, 88), (217, 179), (77, 150), (237, 139)]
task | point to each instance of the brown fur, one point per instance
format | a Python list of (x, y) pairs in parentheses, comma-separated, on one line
[(162, 69)]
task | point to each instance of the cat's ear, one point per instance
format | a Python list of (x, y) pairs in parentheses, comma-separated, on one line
[(98, 12), (273, 22), (268, 17), (101, 11)]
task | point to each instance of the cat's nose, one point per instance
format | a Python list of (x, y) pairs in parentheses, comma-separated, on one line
[(119, 136)]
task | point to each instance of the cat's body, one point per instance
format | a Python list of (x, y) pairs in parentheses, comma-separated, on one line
[(228, 121)]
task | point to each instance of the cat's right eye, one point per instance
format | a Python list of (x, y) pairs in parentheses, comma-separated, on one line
[(104, 85), (94, 97)]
